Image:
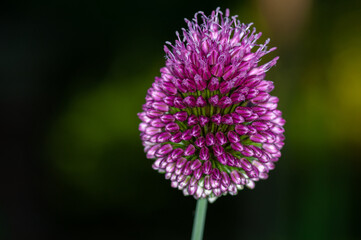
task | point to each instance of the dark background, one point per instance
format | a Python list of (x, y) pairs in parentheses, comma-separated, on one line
[(75, 73)]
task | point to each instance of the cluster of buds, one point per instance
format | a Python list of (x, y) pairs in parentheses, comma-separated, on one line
[(209, 122)]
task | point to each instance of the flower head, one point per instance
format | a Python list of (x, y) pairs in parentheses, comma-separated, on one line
[(209, 121)]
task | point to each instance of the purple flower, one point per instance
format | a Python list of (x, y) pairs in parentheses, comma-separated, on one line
[(209, 122)]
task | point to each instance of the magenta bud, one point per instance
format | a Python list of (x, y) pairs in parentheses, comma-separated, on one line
[(261, 167), (280, 121), (241, 129), (165, 149), (152, 130), (170, 168), (217, 191), (268, 116), (200, 142), (237, 119), (265, 86), (205, 46), (257, 152), (169, 88), (258, 138), (176, 138), (181, 116), (201, 102), (200, 83), (225, 102), (277, 129), (233, 137), (164, 137), (213, 84), (204, 153), (263, 176), (190, 101), (229, 72), (145, 137), (142, 127), (196, 131), (225, 179), (203, 120), (268, 105), (252, 93), (246, 165), (210, 139), (245, 112), (189, 84), (237, 146), (260, 126), (204, 72), (189, 150), (196, 164), (187, 168), (269, 165), (216, 174), (231, 160), (174, 184), (214, 100), (142, 116), (169, 100), (261, 97), (192, 183), (198, 173), (154, 114), (235, 177), (250, 184), (178, 103), (167, 118), (183, 179), (251, 130), (227, 119), (192, 120), (221, 138), (237, 97), (223, 159), (259, 110), (212, 57), (180, 162), (264, 158), (251, 118), (154, 138), (186, 135), (270, 148), (163, 165), (253, 173), (273, 99), (157, 123), (225, 87), (178, 84), (156, 164), (218, 150), (207, 167), (151, 152), (172, 127), (216, 118), (160, 106), (248, 152), (217, 70), (157, 95), (207, 182)]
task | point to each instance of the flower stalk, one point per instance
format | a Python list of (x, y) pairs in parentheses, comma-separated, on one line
[(199, 219)]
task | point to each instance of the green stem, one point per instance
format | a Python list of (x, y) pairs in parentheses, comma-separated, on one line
[(199, 219)]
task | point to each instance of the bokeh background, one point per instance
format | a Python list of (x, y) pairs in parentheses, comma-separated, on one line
[(75, 73)]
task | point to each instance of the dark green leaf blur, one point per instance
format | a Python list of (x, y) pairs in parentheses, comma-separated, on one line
[(74, 74)]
